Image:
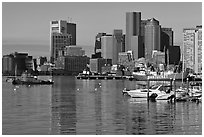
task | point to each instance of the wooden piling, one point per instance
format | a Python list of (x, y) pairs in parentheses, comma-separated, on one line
[(148, 89)]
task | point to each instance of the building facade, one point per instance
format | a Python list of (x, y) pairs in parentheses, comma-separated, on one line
[(62, 34), (16, 63), (152, 37), (134, 39), (192, 48), (107, 47), (72, 65), (96, 65), (74, 51)]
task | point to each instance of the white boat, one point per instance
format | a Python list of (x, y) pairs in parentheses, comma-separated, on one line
[(160, 92), (195, 91)]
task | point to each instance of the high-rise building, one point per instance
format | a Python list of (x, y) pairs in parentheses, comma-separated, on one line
[(152, 37), (107, 47), (169, 32), (97, 48), (134, 38), (62, 34), (198, 50), (174, 54), (192, 48), (71, 29), (117, 44)]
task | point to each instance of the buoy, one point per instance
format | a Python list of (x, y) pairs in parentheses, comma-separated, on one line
[(77, 89), (95, 89)]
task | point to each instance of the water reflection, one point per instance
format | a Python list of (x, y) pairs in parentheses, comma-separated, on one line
[(96, 107), (63, 106)]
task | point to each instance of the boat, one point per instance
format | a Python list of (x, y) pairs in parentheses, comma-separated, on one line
[(159, 92), (28, 79)]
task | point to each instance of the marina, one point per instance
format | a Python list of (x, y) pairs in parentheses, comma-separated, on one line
[(83, 106)]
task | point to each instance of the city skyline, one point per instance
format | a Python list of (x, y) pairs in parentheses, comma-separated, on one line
[(30, 29)]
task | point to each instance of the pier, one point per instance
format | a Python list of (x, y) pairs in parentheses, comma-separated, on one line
[(94, 77)]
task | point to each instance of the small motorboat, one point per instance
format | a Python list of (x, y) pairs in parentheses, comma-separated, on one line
[(159, 92), (28, 79)]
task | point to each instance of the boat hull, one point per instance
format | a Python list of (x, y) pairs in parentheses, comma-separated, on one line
[(19, 82)]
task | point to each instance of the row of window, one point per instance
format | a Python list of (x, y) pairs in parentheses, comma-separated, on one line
[(62, 37)]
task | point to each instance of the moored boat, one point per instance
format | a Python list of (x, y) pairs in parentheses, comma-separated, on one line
[(159, 92), (28, 79)]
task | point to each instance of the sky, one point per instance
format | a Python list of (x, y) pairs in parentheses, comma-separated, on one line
[(25, 26)]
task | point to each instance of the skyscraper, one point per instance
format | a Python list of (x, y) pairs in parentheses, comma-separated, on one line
[(152, 37), (117, 44), (107, 47), (62, 34), (71, 29), (169, 32), (192, 48), (133, 39)]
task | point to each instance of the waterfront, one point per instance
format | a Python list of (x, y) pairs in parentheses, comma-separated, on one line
[(73, 106)]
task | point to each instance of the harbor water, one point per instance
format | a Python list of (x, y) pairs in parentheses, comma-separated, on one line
[(98, 107)]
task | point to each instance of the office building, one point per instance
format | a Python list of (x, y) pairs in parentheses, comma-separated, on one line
[(97, 48), (58, 42), (96, 65), (192, 48), (117, 44), (8, 65), (152, 37), (134, 39), (71, 65), (170, 34), (16, 63), (71, 29), (74, 51), (174, 54), (62, 34), (107, 47), (198, 50)]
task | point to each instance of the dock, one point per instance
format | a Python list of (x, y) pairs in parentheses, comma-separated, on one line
[(94, 77)]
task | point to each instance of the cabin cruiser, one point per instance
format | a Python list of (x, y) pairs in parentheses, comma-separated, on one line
[(159, 92)]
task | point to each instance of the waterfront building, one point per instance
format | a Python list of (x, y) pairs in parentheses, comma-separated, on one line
[(74, 51), (16, 63), (126, 59), (97, 64), (152, 37), (72, 65), (62, 34), (134, 39), (8, 65), (192, 48)]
